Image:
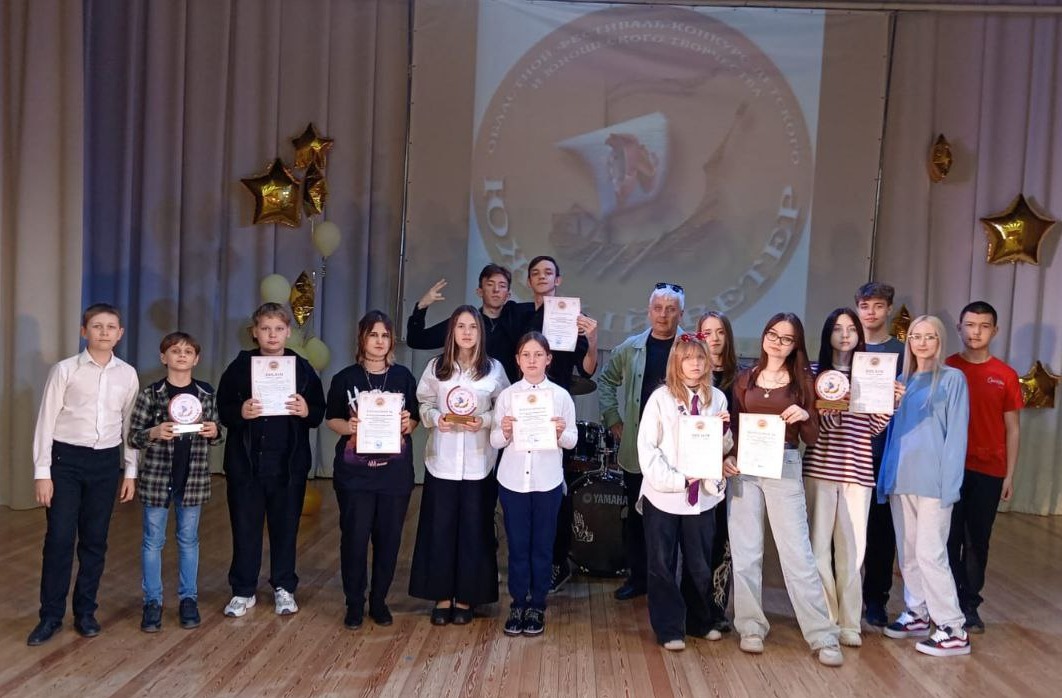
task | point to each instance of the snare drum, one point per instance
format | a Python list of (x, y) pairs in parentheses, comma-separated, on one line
[(599, 506), (593, 450)]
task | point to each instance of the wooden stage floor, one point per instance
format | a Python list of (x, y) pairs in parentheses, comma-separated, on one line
[(593, 645)]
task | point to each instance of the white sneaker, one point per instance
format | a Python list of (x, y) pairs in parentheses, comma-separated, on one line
[(830, 655), (238, 606), (714, 635), (850, 638), (753, 644), (284, 602), (675, 645)]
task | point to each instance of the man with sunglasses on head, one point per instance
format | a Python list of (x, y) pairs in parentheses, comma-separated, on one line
[(638, 365)]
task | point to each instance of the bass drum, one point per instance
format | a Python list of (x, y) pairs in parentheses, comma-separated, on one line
[(599, 506)]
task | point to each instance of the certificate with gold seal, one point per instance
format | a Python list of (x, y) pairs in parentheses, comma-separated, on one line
[(559, 326), (186, 411), (700, 447), (379, 422), (461, 405), (273, 383), (533, 425), (873, 379), (761, 445)]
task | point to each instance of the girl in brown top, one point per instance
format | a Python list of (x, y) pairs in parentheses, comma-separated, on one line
[(779, 384)]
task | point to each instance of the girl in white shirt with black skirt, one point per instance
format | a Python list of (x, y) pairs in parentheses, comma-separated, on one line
[(530, 486), (454, 560)]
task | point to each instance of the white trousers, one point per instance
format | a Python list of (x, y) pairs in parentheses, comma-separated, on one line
[(838, 512), (783, 501), (922, 525)]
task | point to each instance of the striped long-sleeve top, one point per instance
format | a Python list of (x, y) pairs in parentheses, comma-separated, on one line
[(842, 452)]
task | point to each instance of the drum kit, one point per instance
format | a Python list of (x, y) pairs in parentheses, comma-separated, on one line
[(599, 504)]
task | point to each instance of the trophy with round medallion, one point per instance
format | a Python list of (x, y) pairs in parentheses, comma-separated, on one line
[(832, 388), (186, 411), (461, 403)]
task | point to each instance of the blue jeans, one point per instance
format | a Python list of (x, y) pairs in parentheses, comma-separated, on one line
[(187, 551), (531, 527)]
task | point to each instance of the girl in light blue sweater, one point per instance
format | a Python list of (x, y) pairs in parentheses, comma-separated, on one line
[(921, 473)]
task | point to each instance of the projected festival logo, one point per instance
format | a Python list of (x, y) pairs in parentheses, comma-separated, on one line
[(640, 145)]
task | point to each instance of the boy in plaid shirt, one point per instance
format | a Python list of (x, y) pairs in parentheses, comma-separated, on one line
[(174, 469)]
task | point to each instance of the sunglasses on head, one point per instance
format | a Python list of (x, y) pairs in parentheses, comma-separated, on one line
[(674, 287)]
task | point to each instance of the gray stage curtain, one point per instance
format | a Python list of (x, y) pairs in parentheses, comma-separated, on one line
[(185, 97), (993, 86), (40, 218)]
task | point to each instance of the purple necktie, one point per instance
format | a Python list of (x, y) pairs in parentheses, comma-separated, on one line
[(693, 490)]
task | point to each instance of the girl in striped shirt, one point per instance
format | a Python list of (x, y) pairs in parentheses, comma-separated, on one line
[(839, 482)]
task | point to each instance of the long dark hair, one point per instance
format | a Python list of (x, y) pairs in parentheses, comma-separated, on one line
[(826, 346), (796, 364), (444, 364), (366, 325), (730, 360)]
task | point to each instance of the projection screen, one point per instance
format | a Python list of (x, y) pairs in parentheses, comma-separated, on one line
[(731, 151)]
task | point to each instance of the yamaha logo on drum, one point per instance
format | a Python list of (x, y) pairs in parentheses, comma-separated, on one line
[(616, 500)]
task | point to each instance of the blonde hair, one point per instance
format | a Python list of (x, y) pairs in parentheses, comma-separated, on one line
[(910, 363), (685, 346)]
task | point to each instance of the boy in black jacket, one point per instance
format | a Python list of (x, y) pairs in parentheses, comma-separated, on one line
[(267, 459)]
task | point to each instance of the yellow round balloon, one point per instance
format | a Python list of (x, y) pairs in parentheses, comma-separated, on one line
[(326, 237), (317, 353), (275, 289), (311, 501)]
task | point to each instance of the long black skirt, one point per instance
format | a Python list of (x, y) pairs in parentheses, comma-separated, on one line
[(455, 556)]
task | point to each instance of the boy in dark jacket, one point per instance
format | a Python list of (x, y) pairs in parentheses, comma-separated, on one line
[(267, 459)]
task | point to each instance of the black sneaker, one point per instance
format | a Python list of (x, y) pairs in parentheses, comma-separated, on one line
[(515, 623), (973, 623), (354, 617), (876, 615), (381, 615), (189, 614), (561, 574), (534, 622), (87, 625), (151, 622)]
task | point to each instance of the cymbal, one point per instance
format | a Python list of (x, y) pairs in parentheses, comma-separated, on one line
[(582, 386)]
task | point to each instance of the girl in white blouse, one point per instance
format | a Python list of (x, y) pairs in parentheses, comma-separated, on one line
[(530, 486), (678, 510), (454, 561)]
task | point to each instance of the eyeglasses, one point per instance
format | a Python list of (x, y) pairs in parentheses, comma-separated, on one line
[(661, 285), (920, 337), (783, 339)]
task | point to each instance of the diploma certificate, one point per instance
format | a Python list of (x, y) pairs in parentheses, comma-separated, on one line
[(873, 377), (761, 445), (700, 447), (379, 422), (273, 383), (558, 322), (533, 425)]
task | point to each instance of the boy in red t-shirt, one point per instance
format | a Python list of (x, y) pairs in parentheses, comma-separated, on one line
[(991, 454)]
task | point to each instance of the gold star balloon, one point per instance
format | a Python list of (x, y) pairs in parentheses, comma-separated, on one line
[(1038, 387), (1015, 235), (276, 196), (303, 295), (940, 159), (900, 324), (311, 147), (314, 190)]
